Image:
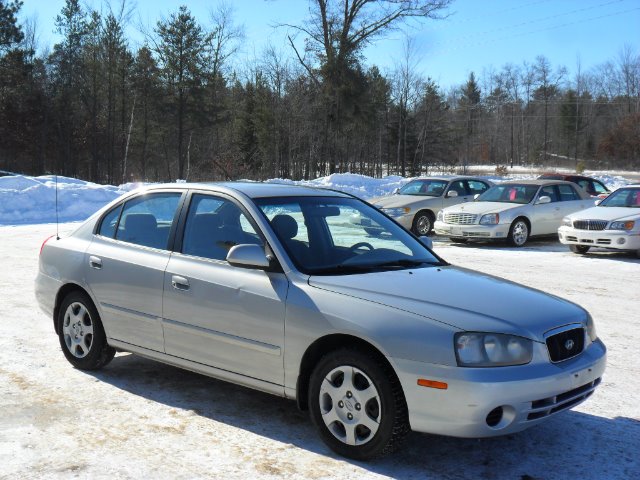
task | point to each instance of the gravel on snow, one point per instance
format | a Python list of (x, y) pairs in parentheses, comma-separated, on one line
[(141, 419)]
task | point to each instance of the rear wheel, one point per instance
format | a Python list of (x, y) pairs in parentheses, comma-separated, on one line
[(81, 335), (581, 249), (518, 233), (422, 223), (357, 404)]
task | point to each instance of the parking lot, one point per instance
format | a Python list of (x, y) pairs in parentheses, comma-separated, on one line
[(141, 419)]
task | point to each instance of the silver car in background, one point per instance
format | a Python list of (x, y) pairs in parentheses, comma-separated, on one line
[(274, 288)]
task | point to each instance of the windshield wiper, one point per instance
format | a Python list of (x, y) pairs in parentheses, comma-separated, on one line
[(402, 262)]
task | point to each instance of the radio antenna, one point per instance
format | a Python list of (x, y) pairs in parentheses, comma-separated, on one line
[(57, 231)]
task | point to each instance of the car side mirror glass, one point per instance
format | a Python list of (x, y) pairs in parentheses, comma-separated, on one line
[(598, 201), (452, 193), (248, 256), (426, 241), (475, 197), (544, 199), (396, 191)]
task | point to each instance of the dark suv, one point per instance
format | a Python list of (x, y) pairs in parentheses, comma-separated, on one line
[(593, 187)]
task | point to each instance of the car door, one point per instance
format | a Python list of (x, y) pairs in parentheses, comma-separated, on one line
[(125, 264), (546, 217), (463, 195), (216, 314), (570, 201)]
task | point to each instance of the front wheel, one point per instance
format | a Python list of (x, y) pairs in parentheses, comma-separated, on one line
[(518, 233), (422, 223), (81, 335), (357, 404), (581, 249)]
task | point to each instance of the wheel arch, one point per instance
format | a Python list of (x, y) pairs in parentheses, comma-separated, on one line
[(65, 290), (325, 345)]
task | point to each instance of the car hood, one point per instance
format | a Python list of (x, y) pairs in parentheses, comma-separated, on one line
[(480, 208), (607, 213), (393, 201), (461, 298)]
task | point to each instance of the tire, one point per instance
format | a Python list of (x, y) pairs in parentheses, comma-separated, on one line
[(458, 240), (518, 233), (373, 397), (81, 334), (580, 249), (423, 223)]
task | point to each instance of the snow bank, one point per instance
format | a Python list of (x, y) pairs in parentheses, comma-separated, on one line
[(31, 200)]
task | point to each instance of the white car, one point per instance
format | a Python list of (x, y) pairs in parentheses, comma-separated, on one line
[(513, 211), (416, 205), (613, 224)]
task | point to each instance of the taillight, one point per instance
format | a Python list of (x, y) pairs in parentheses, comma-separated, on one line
[(43, 243)]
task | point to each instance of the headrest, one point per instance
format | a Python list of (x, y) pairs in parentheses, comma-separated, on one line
[(140, 222), (285, 226)]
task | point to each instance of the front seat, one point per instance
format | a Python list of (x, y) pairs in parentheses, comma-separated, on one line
[(286, 229)]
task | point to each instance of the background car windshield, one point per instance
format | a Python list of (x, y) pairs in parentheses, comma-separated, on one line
[(511, 193), (623, 197), (431, 188), (320, 237)]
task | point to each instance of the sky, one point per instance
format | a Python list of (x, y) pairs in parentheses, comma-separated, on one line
[(477, 36)]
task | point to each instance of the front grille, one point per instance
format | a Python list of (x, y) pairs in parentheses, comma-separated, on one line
[(565, 345), (548, 406), (590, 224), (476, 234), (460, 218)]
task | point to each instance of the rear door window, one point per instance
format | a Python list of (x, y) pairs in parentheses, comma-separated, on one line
[(146, 220), (567, 193), (477, 187)]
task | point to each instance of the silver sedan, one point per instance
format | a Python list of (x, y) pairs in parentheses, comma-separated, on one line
[(274, 288)]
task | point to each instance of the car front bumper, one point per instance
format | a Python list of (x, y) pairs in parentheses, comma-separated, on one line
[(472, 232), (614, 239), (525, 395)]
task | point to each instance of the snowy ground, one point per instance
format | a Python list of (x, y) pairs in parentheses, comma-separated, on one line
[(142, 419)]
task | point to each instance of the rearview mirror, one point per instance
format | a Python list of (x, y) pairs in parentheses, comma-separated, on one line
[(427, 242), (543, 199), (248, 256), (452, 193)]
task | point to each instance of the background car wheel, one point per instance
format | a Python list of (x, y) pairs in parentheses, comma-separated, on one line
[(581, 249), (81, 335), (458, 240), (423, 223), (518, 233), (357, 404)]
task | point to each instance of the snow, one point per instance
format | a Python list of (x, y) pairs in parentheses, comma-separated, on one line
[(141, 419), (31, 200)]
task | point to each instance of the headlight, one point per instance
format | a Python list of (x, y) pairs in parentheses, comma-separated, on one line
[(490, 219), (622, 225), (440, 216), (475, 349), (591, 329), (396, 212), (566, 221)]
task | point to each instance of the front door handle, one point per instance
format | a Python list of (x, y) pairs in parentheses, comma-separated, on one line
[(95, 262), (179, 283)]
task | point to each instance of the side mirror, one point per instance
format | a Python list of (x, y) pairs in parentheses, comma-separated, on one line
[(396, 191), (598, 201), (543, 199), (248, 256), (452, 194), (426, 241), (475, 197)]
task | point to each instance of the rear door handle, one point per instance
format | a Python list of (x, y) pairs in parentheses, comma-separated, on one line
[(179, 283), (95, 262)]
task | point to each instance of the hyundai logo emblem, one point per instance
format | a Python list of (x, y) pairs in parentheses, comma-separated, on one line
[(569, 344)]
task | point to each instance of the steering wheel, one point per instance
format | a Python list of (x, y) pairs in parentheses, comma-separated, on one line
[(358, 245)]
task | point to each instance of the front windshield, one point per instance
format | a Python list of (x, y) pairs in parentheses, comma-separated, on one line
[(430, 188), (336, 236), (509, 193), (623, 197)]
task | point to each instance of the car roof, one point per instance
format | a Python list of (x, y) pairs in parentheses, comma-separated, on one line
[(538, 182), (449, 179), (255, 189)]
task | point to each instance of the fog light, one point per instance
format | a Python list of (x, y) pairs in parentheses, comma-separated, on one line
[(494, 417), (621, 241)]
